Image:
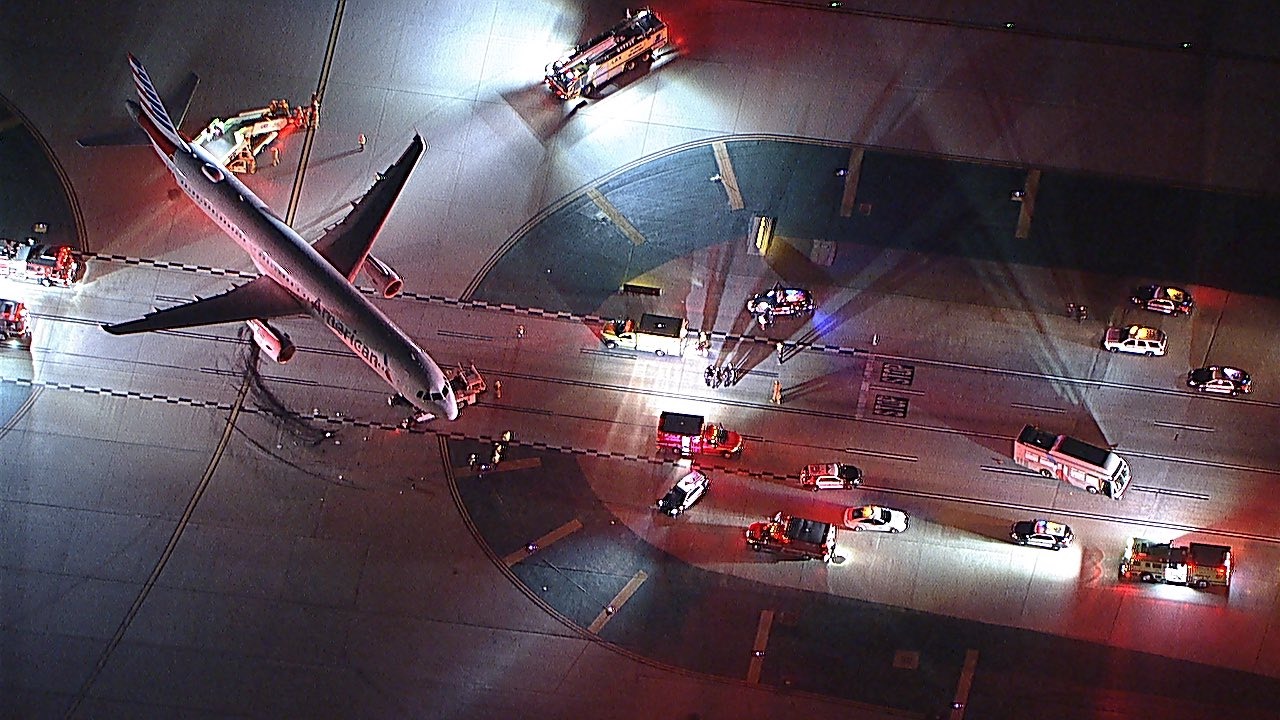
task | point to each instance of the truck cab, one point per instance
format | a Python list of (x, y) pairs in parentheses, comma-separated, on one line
[(793, 537), (689, 435)]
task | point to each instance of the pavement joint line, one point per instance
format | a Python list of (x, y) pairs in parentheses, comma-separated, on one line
[(759, 646), (558, 534), (618, 601)]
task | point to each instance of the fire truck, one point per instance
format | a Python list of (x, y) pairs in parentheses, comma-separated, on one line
[(595, 62), (1073, 461), (13, 321), (35, 262), (687, 435), (793, 537), (1197, 564)]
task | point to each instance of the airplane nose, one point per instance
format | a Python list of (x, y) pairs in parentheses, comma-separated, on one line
[(450, 408)]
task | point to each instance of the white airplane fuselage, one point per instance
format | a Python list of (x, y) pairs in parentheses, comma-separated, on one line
[(282, 255)]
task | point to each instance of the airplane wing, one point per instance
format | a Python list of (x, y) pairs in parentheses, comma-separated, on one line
[(259, 299), (347, 244)]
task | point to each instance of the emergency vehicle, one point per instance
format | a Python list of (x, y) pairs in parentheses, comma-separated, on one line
[(688, 435), (237, 141), (658, 334), (1197, 564), (1073, 461), (591, 64), (793, 537), (35, 262), (13, 321)]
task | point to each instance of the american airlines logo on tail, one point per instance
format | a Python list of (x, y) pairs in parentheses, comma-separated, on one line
[(153, 108)]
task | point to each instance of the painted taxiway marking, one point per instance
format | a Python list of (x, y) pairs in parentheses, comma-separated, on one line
[(851, 175), (618, 601), (758, 648), (962, 687), (616, 216), (724, 166), (1028, 200), (559, 533)]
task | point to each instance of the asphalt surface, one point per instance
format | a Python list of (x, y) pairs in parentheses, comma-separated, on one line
[(315, 566)]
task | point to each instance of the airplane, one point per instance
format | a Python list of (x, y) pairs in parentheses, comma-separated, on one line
[(296, 277)]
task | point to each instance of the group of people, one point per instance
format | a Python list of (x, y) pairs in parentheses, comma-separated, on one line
[(1079, 313), (725, 375)]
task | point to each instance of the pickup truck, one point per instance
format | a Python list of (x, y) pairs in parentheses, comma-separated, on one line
[(688, 435), (793, 537)]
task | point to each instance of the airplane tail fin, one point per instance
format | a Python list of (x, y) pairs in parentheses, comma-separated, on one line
[(152, 107)]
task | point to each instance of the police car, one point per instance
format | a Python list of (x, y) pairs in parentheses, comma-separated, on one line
[(780, 301), (685, 493), (1163, 299), (1220, 379), (1041, 533)]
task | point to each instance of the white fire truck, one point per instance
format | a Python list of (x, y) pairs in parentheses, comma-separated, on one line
[(595, 62), (1073, 461), (1197, 564), (35, 262)]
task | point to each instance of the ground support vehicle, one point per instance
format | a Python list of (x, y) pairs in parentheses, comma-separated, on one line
[(1198, 564), (1073, 461), (1041, 533), (689, 435), (658, 334), (684, 494), (589, 65), (14, 324), (793, 537), (48, 265), (236, 142), (467, 384), (830, 476)]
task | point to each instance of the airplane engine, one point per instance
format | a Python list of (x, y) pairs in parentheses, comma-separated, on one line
[(274, 343), (387, 280)]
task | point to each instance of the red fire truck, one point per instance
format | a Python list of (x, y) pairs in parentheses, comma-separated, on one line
[(1197, 564), (688, 435), (1073, 461), (34, 262), (13, 321)]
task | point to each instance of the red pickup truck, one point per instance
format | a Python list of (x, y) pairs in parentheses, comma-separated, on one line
[(689, 435)]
